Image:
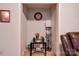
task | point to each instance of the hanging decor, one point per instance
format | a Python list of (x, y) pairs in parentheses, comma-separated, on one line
[(5, 16), (38, 16)]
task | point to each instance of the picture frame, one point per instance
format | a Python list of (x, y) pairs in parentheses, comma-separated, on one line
[(5, 16)]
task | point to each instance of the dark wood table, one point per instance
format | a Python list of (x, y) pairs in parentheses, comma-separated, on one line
[(32, 44)]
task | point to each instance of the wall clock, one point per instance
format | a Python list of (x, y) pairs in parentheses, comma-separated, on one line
[(38, 16)]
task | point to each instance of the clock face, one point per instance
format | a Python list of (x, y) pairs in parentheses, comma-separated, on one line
[(38, 16)]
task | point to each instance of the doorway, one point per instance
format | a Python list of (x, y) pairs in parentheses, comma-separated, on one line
[(39, 18)]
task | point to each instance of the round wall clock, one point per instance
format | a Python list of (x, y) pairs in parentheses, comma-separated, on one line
[(38, 16)]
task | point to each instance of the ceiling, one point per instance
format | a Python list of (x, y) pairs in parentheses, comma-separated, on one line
[(39, 5)]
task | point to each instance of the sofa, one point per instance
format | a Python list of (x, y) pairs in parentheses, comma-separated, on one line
[(70, 43)]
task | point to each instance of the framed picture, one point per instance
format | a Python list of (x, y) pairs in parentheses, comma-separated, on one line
[(5, 16)]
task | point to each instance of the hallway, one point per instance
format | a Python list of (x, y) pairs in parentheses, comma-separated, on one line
[(39, 18)]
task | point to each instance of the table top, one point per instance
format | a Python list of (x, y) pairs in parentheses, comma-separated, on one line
[(38, 42)]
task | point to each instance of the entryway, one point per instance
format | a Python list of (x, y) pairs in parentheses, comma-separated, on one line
[(42, 19)]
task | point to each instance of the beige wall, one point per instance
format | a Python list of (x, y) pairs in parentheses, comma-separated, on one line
[(69, 17), (23, 30), (55, 33), (10, 32), (53, 11)]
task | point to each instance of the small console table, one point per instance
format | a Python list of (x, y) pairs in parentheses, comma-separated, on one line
[(32, 44)]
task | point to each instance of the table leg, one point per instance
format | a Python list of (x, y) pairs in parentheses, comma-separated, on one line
[(45, 48), (31, 49)]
